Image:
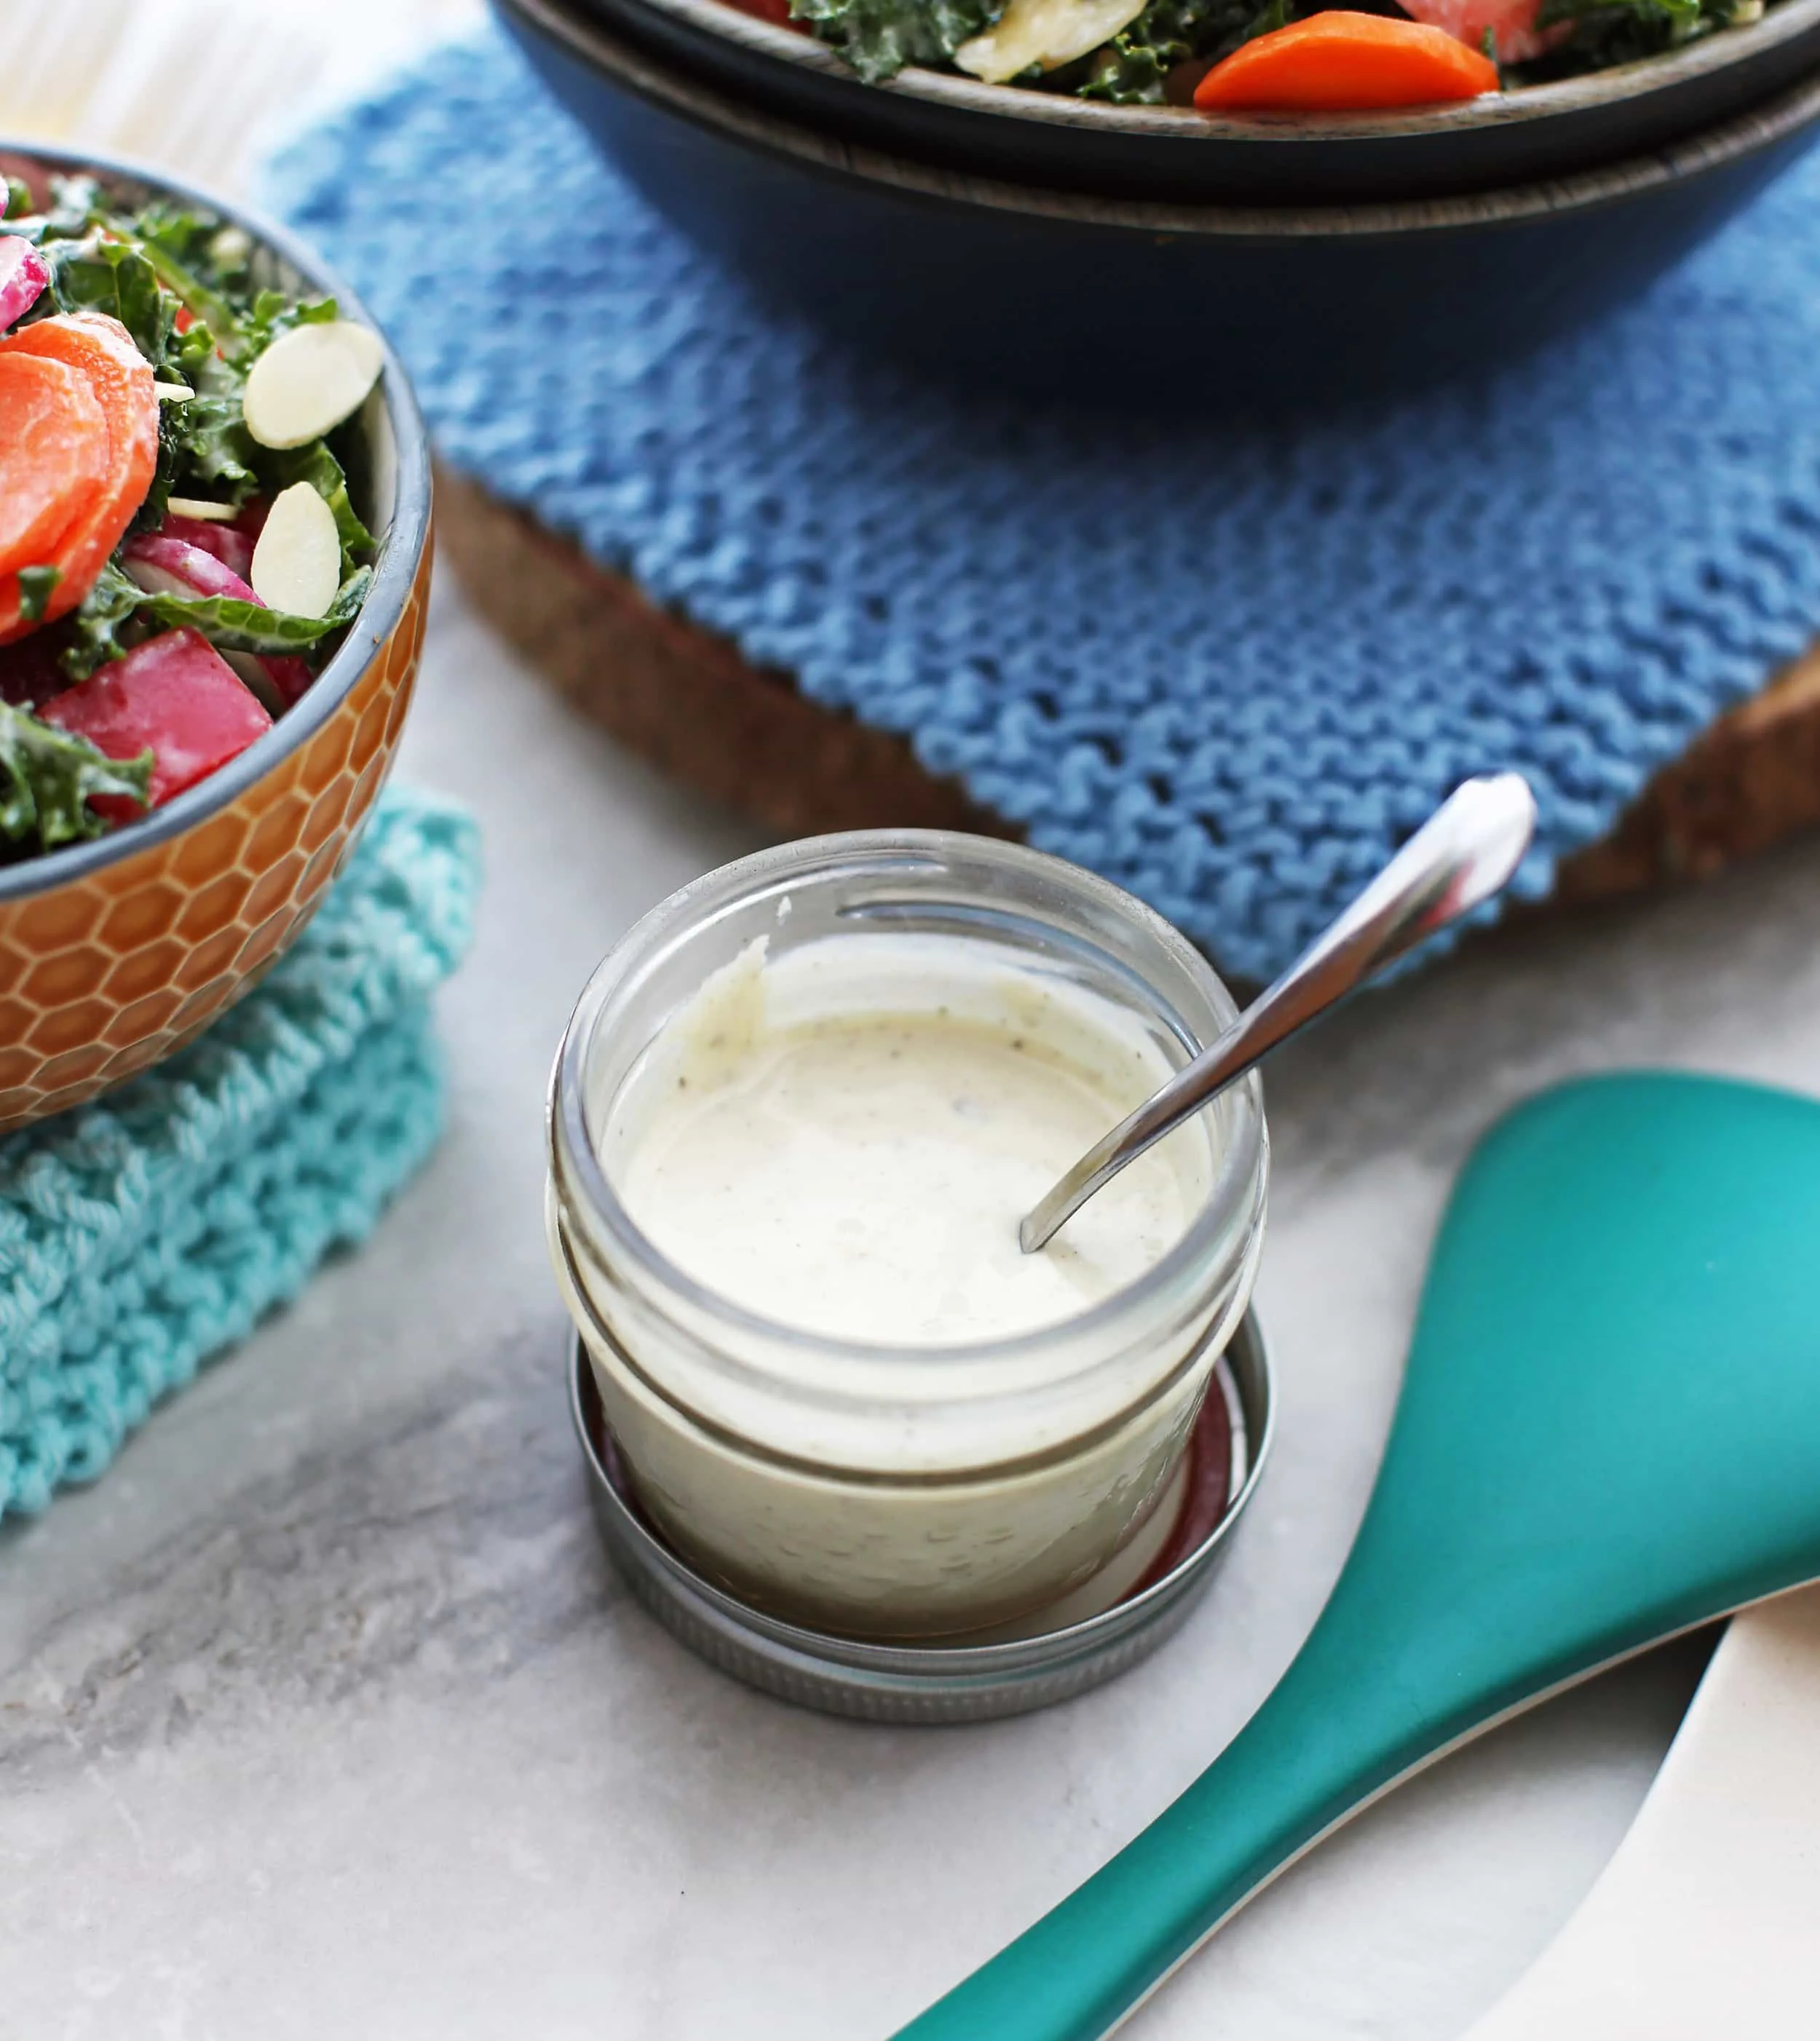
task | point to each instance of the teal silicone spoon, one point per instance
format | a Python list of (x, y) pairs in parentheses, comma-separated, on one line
[(1609, 1432)]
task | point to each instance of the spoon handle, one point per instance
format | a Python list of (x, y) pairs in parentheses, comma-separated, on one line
[(1464, 853)]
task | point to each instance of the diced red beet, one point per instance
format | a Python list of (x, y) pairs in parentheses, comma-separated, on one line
[(23, 277), (233, 547), (174, 693), (168, 565)]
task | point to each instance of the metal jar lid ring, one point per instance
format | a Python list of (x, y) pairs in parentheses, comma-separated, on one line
[(935, 1682)]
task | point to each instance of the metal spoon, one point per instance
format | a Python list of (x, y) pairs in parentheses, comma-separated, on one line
[(1460, 856)]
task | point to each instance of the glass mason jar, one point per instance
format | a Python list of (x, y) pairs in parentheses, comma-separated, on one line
[(882, 1490)]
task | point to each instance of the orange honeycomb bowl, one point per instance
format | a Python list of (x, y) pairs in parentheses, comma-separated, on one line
[(115, 953)]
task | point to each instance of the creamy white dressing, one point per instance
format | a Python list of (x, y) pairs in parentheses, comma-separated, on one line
[(844, 1140)]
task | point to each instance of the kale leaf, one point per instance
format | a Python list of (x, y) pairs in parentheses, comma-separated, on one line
[(185, 249), (1130, 70), (36, 587), (1605, 32), (91, 631), (273, 313), (94, 632), (315, 465), (879, 37), (47, 779), (232, 625), (95, 274)]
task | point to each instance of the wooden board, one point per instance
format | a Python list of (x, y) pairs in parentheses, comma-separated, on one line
[(686, 700)]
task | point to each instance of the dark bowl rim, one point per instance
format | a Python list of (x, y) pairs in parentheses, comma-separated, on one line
[(677, 92), (394, 575), (1781, 22)]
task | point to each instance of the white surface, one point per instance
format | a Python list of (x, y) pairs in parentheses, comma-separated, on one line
[(1704, 1922), (323, 1714), (203, 88)]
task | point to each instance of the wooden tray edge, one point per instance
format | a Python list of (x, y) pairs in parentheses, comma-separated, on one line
[(684, 698)]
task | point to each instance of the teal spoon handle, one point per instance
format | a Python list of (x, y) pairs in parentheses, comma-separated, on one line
[(1298, 1768), (1609, 1433)]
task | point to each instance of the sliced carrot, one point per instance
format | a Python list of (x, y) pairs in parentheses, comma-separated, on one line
[(100, 351), (53, 456), (1343, 62)]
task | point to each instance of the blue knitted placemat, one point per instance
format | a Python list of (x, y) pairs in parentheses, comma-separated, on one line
[(1230, 666), (142, 1234)]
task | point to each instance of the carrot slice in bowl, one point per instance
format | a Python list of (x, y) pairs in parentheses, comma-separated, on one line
[(100, 350), (1343, 62), (53, 456)]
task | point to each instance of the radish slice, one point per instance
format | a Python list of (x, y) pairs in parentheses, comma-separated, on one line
[(22, 277), (308, 380), (163, 564), (297, 563), (1511, 24), (233, 548)]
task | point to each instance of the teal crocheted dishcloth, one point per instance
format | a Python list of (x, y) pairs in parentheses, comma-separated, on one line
[(144, 1232)]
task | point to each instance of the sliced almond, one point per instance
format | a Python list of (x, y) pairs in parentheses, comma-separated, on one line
[(1047, 33), (308, 380), (297, 563), (207, 513)]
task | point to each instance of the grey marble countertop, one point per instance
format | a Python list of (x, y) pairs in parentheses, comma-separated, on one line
[(323, 1714)]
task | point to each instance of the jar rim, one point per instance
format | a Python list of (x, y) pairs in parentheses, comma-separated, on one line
[(1236, 1192)]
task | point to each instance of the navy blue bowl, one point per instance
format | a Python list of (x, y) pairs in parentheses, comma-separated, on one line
[(1070, 144), (1057, 293)]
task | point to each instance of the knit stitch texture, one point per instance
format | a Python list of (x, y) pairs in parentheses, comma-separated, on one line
[(140, 1235), (1230, 665)]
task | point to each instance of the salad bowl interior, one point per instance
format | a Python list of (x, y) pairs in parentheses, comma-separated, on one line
[(1068, 143), (116, 950)]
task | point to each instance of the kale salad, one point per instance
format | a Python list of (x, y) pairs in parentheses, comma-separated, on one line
[(179, 550), (1257, 54)]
